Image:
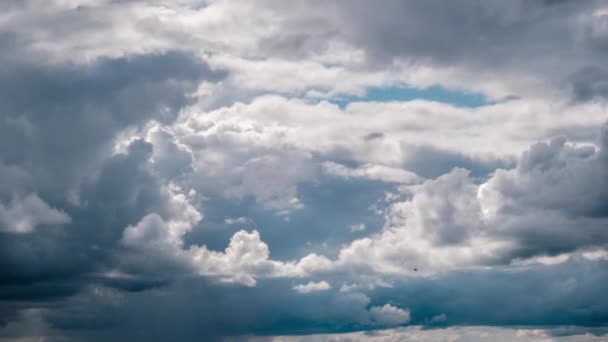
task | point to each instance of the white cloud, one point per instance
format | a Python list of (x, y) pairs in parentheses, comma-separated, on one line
[(159, 241), (238, 220), (359, 227), (371, 172), (438, 229), (273, 123), (596, 255), (265, 148), (439, 318), (389, 315), (520, 217), (247, 258), (448, 334), (23, 215), (312, 287)]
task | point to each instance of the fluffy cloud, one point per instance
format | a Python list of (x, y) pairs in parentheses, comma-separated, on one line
[(440, 228), (389, 315), (273, 123), (245, 258), (329, 48), (550, 204), (155, 241)]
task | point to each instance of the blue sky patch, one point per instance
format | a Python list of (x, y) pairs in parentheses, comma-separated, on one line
[(404, 93)]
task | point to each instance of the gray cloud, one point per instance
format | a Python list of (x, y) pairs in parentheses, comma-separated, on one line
[(431, 162), (24, 215), (57, 128), (75, 111), (542, 42), (590, 83), (199, 309)]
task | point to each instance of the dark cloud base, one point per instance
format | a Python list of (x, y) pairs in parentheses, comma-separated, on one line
[(193, 308)]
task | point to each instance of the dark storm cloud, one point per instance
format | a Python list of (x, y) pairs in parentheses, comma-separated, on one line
[(510, 298), (545, 296), (43, 268), (122, 194), (58, 120), (57, 126)]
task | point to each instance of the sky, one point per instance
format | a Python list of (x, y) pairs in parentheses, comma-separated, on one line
[(309, 170)]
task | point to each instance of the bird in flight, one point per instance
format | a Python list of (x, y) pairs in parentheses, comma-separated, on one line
[(415, 270)]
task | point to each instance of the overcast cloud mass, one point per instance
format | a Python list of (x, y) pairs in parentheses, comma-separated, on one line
[(313, 170)]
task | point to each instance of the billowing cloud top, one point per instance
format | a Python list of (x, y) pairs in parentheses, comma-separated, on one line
[(266, 170)]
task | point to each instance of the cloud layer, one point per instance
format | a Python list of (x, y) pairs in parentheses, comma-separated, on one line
[(227, 170)]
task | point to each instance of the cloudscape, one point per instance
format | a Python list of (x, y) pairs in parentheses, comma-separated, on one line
[(310, 170)]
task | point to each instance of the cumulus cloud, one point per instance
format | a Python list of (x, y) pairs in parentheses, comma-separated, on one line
[(63, 183), (518, 214), (157, 241), (438, 229), (389, 315)]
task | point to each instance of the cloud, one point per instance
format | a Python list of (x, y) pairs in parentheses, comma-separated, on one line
[(549, 205), (328, 48), (23, 216), (359, 227), (64, 184), (82, 108), (268, 127), (189, 155), (438, 229), (467, 298), (388, 315), (439, 319), (275, 296), (238, 220), (372, 172), (473, 334), (156, 241), (312, 287)]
